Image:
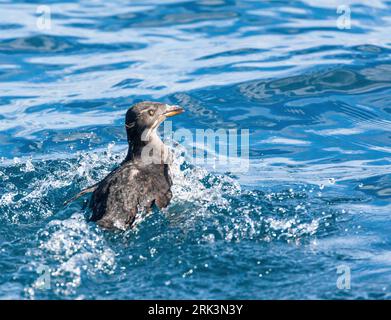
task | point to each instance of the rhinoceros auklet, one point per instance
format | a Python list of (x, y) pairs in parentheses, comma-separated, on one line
[(143, 178)]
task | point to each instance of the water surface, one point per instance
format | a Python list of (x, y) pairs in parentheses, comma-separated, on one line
[(315, 98)]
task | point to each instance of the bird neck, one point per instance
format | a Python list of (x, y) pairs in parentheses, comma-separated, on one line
[(151, 150)]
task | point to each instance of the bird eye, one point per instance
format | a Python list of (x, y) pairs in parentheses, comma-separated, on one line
[(151, 112)]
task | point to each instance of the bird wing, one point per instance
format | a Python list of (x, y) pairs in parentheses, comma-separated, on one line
[(127, 191), (81, 193)]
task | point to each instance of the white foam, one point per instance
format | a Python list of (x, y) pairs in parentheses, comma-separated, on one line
[(73, 248)]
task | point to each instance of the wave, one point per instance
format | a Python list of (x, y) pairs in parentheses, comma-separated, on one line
[(206, 208)]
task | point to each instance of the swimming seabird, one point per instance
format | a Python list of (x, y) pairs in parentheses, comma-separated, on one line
[(143, 179)]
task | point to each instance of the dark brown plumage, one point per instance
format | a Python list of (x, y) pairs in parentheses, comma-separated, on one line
[(143, 178), (129, 190)]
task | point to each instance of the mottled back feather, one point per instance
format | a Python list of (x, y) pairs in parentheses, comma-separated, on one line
[(129, 190)]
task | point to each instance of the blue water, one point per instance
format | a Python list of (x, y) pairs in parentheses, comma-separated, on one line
[(315, 98)]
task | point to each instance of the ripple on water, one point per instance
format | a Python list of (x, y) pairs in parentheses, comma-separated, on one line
[(315, 98), (206, 209)]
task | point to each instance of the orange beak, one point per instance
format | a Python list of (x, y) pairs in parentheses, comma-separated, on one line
[(173, 110)]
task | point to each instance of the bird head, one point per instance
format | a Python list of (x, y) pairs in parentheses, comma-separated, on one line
[(143, 118)]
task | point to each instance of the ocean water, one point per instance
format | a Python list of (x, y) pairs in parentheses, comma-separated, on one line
[(309, 219)]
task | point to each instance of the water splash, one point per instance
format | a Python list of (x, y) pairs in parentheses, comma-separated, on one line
[(74, 250)]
